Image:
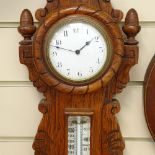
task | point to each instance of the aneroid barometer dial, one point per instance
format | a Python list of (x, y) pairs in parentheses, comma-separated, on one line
[(78, 49)]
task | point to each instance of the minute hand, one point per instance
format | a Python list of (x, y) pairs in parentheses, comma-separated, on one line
[(63, 48)]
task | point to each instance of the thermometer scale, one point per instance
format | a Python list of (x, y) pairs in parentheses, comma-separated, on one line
[(79, 135)]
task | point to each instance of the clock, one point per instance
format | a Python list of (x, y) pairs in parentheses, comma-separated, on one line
[(78, 58), (86, 58), (87, 76)]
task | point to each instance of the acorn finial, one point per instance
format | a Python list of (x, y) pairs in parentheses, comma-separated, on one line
[(26, 28), (131, 27)]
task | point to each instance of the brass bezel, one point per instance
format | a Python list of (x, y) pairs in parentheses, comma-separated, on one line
[(78, 18)]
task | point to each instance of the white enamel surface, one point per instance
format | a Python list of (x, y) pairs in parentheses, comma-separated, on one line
[(62, 51)]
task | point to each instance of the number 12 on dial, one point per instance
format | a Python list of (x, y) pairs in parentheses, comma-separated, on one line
[(79, 135)]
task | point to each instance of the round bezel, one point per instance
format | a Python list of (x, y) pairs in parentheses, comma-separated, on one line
[(112, 31), (81, 19)]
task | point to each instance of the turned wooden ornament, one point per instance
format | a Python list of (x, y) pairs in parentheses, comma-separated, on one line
[(131, 27), (26, 28)]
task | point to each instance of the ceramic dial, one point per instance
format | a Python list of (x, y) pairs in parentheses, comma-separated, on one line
[(78, 50)]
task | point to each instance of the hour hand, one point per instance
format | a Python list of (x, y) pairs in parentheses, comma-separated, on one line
[(63, 48), (86, 44)]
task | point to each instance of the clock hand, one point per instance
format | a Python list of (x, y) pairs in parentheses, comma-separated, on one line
[(63, 48), (86, 44)]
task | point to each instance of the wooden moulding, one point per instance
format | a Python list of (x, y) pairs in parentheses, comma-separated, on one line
[(149, 97), (113, 31)]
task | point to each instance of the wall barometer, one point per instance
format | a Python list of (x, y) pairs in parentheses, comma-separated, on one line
[(78, 58)]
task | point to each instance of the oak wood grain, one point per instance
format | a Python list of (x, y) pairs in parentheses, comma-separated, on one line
[(95, 96), (149, 100)]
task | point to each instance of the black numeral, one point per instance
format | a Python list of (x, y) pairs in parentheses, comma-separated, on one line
[(54, 53), (75, 30), (58, 42), (68, 72), (98, 61), (97, 39), (91, 70), (79, 74), (65, 33), (59, 64), (87, 31), (101, 49)]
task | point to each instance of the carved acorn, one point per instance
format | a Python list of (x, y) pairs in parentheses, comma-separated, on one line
[(131, 27), (26, 28)]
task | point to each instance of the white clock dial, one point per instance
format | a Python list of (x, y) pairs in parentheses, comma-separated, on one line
[(78, 50)]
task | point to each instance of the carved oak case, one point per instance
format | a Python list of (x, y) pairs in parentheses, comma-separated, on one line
[(94, 98)]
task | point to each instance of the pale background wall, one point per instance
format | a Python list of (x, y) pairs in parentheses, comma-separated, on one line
[(19, 116)]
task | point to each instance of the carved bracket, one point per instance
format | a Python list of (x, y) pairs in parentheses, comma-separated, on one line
[(113, 142), (130, 58)]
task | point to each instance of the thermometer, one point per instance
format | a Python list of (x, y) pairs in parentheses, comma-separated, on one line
[(78, 135)]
